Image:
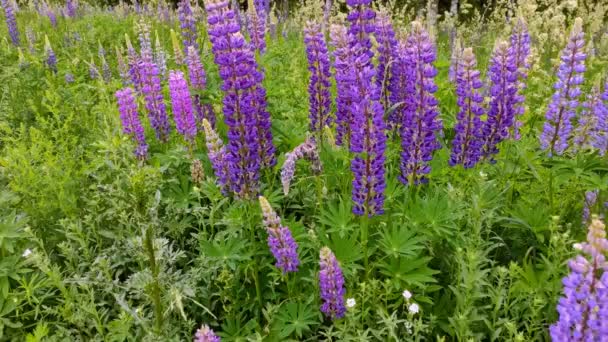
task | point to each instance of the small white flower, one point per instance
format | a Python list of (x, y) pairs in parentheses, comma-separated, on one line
[(26, 253), (407, 295), (483, 174), (413, 308), (350, 302)]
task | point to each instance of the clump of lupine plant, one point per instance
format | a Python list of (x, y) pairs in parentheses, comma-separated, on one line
[(387, 46), (519, 50), (280, 241), (187, 24), (130, 120), (249, 137), (319, 80), (331, 285), (564, 103), (503, 99), (216, 151), (146, 73), (583, 310), (206, 334), (307, 150), (420, 123), (468, 141), (342, 56), (368, 140), (11, 21), (185, 123), (51, 58)]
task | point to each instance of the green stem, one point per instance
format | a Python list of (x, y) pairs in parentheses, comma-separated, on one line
[(364, 238), (158, 310), (256, 278), (551, 189)]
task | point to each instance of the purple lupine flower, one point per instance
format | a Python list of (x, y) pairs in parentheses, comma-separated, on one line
[(216, 152), (160, 58), (308, 150), (30, 36), (387, 46), (135, 66), (130, 120), (50, 13), (123, 69), (178, 53), (331, 284), (155, 104), (187, 24), (105, 70), (588, 121), (342, 57), (236, 63), (198, 82), (319, 84), (51, 59), (11, 21), (457, 50), (583, 310), (503, 99), (71, 7), (69, 78), (590, 203), (520, 52), (599, 138), (205, 334), (280, 241), (420, 122), (256, 25), (400, 86), (468, 142), (564, 102), (93, 71), (234, 6), (368, 140), (185, 122), (145, 43)]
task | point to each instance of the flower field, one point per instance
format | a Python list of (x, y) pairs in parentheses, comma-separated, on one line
[(348, 170)]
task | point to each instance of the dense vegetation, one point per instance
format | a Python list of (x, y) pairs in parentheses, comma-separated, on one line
[(114, 232)]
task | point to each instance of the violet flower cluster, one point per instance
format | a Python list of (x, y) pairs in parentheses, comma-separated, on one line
[(160, 58), (146, 73), (468, 141), (182, 106), (187, 24), (130, 120), (206, 334), (583, 310), (519, 50), (135, 69), (51, 58), (307, 150), (342, 56), (198, 82), (256, 25), (562, 109), (400, 85), (420, 122), (319, 82), (70, 8), (11, 21), (368, 140), (280, 241), (503, 99), (387, 47), (216, 151), (589, 121), (600, 134), (331, 284), (249, 136), (589, 205)]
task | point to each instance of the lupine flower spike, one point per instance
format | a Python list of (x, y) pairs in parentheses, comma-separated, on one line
[(135, 72), (257, 30), (130, 121), (147, 73), (51, 59), (205, 334), (198, 82), (600, 133), (387, 47), (368, 140), (178, 53), (583, 310), (520, 52), (589, 205), (160, 58), (331, 283), (562, 109), (11, 21), (182, 106), (307, 150), (319, 81), (468, 142), (187, 24), (342, 56), (281, 243), (455, 60), (503, 99), (216, 152), (420, 123), (589, 121)]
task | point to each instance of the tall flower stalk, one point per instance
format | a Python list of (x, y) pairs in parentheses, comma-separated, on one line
[(146, 73), (368, 141), (562, 109), (11, 21), (198, 82), (520, 52), (420, 122), (503, 99), (256, 25), (468, 142), (182, 106), (319, 84), (307, 150), (387, 48), (589, 121), (135, 68), (583, 310), (342, 57), (51, 58), (280, 241), (331, 284), (599, 138), (216, 151), (130, 120), (187, 24)]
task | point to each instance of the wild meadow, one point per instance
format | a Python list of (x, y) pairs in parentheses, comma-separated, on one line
[(348, 170)]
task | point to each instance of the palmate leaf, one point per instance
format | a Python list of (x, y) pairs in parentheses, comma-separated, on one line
[(337, 217), (408, 271), (396, 242), (295, 318), (434, 214), (229, 251)]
